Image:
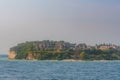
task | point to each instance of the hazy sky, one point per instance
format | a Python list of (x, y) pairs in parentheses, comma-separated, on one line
[(88, 21)]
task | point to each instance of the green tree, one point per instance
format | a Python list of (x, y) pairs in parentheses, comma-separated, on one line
[(83, 56)]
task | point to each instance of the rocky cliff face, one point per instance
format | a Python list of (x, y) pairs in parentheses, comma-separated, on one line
[(30, 56), (12, 55)]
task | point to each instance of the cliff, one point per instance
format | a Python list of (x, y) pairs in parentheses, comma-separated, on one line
[(30, 56), (12, 55)]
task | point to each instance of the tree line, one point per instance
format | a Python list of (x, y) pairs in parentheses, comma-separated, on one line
[(59, 50)]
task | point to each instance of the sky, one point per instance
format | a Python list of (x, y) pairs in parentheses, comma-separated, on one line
[(76, 21)]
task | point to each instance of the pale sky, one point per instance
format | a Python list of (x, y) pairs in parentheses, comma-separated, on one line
[(80, 21)]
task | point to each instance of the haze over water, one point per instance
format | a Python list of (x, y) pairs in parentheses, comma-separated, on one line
[(86, 21)]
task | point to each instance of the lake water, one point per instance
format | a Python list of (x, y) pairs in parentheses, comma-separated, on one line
[(47, 70)]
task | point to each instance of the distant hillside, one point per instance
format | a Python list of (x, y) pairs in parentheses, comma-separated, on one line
[(59, 50)]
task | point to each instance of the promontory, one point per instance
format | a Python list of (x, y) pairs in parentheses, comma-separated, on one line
[(61, 50)]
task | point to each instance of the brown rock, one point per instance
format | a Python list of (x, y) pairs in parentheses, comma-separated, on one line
[(12, 55), (30, 56)]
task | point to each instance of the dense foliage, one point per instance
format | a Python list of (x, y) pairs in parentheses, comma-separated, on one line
[(59, 50)]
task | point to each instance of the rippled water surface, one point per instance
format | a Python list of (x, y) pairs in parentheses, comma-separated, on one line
[(46, 70)]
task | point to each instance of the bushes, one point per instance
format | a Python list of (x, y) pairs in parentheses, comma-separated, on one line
[(53, 50)]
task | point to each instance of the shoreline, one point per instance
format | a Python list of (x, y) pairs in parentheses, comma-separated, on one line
[(66, 60)]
